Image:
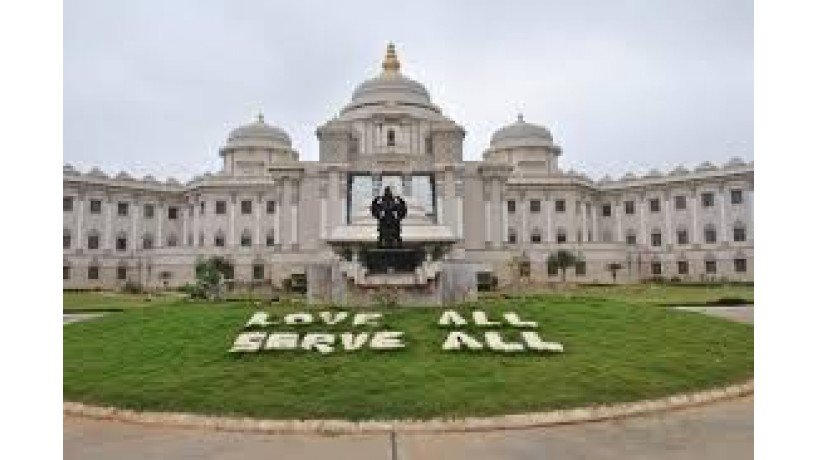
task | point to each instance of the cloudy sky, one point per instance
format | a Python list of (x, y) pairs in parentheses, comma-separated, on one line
[(153, 87)]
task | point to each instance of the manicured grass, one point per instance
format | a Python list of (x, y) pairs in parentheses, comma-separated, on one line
[(645, 293), (174, 358), (111, 301)]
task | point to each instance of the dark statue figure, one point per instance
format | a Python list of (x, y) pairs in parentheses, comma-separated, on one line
[(389, 210)]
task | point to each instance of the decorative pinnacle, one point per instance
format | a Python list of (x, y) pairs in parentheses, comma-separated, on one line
[(520, 118), (391, 64), (260, 117)]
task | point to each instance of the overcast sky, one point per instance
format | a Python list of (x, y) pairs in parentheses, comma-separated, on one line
[(153, 87)]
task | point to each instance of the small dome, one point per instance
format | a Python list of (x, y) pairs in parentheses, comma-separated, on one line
[(69, 170), (679, 171), (149, 178), (735, 162), (390, 86), (606, 179), (653, 173), (258, 134), (172, 181), (521, 134), (628, 176), (123, 176), (96, 172), (705, 166)]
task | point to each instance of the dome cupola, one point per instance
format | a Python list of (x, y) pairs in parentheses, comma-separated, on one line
[(521, 134), (258, 134)]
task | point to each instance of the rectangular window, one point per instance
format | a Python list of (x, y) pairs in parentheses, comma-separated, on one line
[(629, 207), (172, 213), (740, 265), (552, 270), (246, 240), (654, 205), (711, 267), (511, 237), (148, 211), (96, 206), (270, 240), (257, 272), (66, 241), (220, 207), (631, 240), (710, 235), (561, 237), (682, 267), (270, 207), (122, 208), (201, 208), (67, 203), (707, 199), (560, 206), (66, 272), (680, 202), (580, 268), (93, 242), (535, 237), (93, 272), (246, 206), (511, 206), (656, 239), (657, 268), (682, 236), (121, 273), (535, 205), (219, 241), (739, 234), (606, 210), (736, 196), (121, 244)]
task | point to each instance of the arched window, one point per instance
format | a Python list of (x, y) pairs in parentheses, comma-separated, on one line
[(219, 239), (739, 231), (631, 237), (147, 241), (391, 138), (512, 236), (561, 236), (66, 238), (93, 239), (270, 237), (710, 233), (535, 235), (246, 238), (172, 240)]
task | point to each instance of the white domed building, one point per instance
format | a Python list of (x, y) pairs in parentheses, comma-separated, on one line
[(272, 215)]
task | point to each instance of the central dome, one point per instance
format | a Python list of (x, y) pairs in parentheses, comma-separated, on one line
[(258, 134), (390, 87)]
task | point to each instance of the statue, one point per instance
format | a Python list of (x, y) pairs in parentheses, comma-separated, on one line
[(389, 210)]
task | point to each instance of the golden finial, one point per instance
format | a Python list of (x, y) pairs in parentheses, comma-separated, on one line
[(391, 63)]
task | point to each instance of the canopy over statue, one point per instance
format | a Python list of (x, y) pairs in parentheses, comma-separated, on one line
[(389, 210)]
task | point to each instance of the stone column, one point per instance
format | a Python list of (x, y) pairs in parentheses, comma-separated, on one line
[(619, 220), (583, 210), (487, 224), (158, 214), (231, 230), (497, 222), (668, 209), (258, 209), (194, 211), (723, 220), (641, 209), (749, 202), (134, 219), (279, 208), (294, 203), (549, 204), (594, 217), (524, 207), (107, 239), (184, 210), (505, 221), (695, 237), (80, 239)]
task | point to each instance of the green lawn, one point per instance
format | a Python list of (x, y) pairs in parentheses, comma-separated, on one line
[(174, 358), (652, 293)]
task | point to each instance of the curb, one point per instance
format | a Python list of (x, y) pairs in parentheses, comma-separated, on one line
[(337, 427)]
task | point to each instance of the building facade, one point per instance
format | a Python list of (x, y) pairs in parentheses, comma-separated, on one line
[(271, 214)]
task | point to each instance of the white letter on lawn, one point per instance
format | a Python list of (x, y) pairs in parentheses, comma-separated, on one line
[(495, 342), (318, 341), (480, 318), (352, 341), (368, 319), (456, 339), (282, 341), (259, 319), (513, 320), (248, 342), (386, 340), (534, 341), (333, 318), (298, 318), (451, 318)]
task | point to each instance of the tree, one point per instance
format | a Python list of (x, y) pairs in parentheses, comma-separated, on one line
[(210, 274), (562, 260), (614, 267)]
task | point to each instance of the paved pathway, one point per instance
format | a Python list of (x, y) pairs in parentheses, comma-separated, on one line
[(719, 431), (68, 318), (742, 313)]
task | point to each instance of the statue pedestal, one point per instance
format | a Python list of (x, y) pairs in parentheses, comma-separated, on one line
[(379, 261)]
